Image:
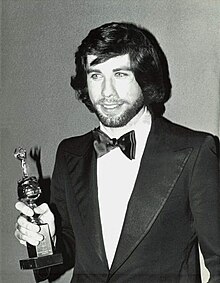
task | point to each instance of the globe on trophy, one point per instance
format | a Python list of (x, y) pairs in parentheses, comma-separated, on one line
[(42, 255)]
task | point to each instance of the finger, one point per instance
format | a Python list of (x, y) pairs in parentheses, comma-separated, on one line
[(30, 234), (42, 209), (24, 239), (17, 236), (23, 208), (47, 217), (45, 214), (24, 243), (23, 222)]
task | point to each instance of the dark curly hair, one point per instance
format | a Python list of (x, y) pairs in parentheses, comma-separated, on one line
[(148, 61)]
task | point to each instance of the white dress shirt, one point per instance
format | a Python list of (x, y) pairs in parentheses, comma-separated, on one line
[(116, 175)]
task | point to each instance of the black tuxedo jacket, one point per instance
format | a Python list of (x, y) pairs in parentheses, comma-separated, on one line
[(174, 204)]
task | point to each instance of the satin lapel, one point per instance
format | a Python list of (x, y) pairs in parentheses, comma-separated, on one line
[(83, 174), (160, 168)]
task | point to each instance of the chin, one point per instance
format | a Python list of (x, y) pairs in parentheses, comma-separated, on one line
[(119, 120), (113, 123)]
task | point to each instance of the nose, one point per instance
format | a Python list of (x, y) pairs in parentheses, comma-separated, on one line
[(108, 89)]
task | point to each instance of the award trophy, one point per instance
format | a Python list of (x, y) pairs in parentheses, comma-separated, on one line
[(41, 256)]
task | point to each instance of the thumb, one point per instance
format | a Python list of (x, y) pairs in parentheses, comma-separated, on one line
[(42, 209), (46, 216)]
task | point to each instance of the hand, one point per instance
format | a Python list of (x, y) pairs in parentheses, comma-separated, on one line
[(25, 231)]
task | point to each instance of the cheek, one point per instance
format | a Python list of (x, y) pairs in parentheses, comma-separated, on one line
[(130, 91), (122, 88), (92, 96), (94, 91), (136, 90)]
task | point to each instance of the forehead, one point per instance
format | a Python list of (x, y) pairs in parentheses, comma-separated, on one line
[(121, 61)]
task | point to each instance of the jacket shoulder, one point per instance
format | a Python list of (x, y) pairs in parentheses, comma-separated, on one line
[(183, 130), (186, 135), (77, 145)]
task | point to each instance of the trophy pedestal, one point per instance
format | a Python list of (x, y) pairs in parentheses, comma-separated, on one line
[(42, 255), (41, 262)]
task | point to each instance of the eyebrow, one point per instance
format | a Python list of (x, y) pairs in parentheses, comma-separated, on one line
[(125, 68), (122, 68), (89, 71)]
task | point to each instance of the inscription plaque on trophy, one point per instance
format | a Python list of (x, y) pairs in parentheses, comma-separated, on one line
[(40, 256)]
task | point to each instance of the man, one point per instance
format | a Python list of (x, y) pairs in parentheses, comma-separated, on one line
[(136, 195)]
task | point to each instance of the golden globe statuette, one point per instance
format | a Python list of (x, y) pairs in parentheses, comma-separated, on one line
[(40, 256)]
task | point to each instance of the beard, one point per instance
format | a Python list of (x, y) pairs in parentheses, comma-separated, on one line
[(122, 119)]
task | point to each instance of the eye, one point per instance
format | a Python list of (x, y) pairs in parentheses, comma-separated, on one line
[(95, 76), (121, 75)]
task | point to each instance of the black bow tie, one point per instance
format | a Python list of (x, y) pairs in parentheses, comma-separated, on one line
[(103, 143)]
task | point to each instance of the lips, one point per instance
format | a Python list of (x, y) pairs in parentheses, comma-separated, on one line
[(110, 108), (110, 103)]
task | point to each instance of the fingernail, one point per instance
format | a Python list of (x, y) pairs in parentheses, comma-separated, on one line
[(42, 237)]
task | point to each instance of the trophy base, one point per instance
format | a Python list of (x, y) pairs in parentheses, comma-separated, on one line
[(41, 262)]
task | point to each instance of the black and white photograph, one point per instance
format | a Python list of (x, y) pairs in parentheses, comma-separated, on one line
[(109, 141)]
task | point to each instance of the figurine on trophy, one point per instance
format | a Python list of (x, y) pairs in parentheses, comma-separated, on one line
[(40, 256)]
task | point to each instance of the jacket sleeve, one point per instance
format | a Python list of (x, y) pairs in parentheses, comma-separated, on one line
[(205, 204), (65, 241)]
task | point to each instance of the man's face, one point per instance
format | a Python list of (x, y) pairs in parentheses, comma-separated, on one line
[(113, 90)]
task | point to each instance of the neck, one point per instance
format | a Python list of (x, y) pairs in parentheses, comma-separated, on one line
[(119, 131)]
